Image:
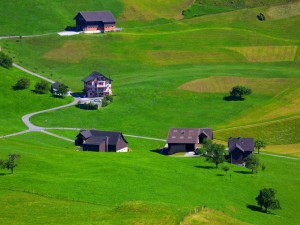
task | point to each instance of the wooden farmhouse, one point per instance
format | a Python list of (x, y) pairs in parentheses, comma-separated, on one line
[(239, 149), (101, 141), (91, 21), (186, 139), (97, 85)]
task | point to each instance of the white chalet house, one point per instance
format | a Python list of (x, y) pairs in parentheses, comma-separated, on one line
[(97, 85)]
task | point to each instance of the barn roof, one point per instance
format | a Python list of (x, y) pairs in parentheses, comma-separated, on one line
[(183, 135), (98, 136), (95, 16), (93, 76), (244, 144)]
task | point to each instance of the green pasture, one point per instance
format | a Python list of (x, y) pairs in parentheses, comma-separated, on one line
[(137, 187), (16, 103)]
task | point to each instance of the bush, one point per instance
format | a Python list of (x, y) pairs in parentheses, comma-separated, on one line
[(5, 60), (261, 17), (22, 83), (240, 91), (89, 106), (42, 87)]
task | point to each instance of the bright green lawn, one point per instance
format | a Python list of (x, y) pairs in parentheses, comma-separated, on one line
[(137, 183), (16, 103)]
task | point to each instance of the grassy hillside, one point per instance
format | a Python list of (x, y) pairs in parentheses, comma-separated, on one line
[(16, 103), (130, 188), (205, 7), (149, 64)]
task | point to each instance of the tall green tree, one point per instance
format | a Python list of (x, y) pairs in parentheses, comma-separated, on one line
[(5, 60), (42, 87), (216, 154), (63, 90), (10, 163), (266, 199), (240, 91), (252, 162), (259, 143)]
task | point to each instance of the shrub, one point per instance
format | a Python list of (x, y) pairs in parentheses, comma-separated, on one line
[(22, 83), (5, 60), (89, 106), (240, 91), (42, 87)]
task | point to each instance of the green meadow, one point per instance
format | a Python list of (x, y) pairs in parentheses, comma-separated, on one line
[(167, 71), (139, 187)]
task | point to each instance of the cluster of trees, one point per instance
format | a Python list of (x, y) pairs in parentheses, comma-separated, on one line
[(5, 60), (10, 162)]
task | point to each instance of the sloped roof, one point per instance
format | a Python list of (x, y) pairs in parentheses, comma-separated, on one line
[(207, 132), (93, 76), (183, 135), (95, 16), (244, 144), (98, 136), (56, 85)]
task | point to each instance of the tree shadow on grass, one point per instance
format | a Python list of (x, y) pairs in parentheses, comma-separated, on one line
[(255, 208), (233, 98), (4, 174), (220, 175), (206, 167), (243, 172)]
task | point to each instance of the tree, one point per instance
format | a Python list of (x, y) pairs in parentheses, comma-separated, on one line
[(216, 153), (207, 146), (252, 162), (5, 60), (225, 169), (22, 83), (266, 199), (62, 90), (259, 143), (10, 163), (240, 91), (42, 87)]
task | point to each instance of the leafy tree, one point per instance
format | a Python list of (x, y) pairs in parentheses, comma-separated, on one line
[(259, 143), (22, 83), (225, 169), (62, 90), (104, 102), (5, 60), (10, 163), (266, 199), (216, 154), (42, 87), (240, 91), (252, 162), (207, 146)]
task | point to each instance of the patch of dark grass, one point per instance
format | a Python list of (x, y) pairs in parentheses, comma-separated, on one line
[(160, 151), (220, 175)]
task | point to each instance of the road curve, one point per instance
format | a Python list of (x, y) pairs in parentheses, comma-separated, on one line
[(32, 127)]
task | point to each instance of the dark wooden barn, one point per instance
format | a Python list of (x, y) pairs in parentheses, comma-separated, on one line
[(186, 139), (101, 141), (239, 149), (103, 21)]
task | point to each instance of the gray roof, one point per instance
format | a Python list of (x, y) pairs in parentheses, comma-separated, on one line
[(244, 144), (207, 132), (98, 136), (95, 16), (55, 85), (93, 76)]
